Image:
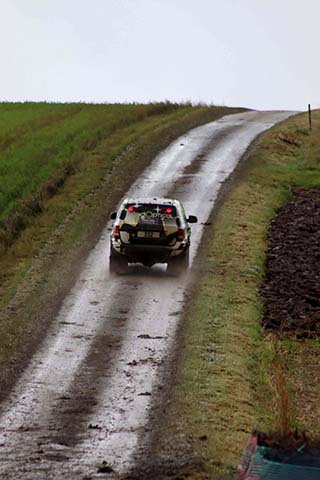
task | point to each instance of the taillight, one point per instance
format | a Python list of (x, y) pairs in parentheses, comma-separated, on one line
[(116, 232), (131, 209), (181, 234), (166, 210)]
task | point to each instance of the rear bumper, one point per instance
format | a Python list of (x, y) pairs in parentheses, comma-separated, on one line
[(147, 254)]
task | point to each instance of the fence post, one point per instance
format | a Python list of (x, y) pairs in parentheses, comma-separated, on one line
[(310, 120)]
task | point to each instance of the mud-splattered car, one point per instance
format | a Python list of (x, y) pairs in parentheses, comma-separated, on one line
[(150, 231)]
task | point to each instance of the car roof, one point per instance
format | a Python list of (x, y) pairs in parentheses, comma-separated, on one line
[(153, 201)]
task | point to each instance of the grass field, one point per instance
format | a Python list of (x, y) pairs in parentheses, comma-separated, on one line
[(233, 377), (62, 169), (41, 144)]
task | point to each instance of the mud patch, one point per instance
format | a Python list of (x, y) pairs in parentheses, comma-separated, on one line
[(291, 291)]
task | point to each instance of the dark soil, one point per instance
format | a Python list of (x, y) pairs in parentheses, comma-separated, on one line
[(291, 291)]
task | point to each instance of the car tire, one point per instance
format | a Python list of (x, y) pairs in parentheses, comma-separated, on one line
[(179, 264), (117, 264)]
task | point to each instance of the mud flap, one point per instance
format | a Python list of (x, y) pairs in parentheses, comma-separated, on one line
[(117, 264), (178, 265)]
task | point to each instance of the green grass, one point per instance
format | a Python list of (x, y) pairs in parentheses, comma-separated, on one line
[(233, 377), (82, 164), (38, 140)]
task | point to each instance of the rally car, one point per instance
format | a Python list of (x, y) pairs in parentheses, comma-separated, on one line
[(150, 231)]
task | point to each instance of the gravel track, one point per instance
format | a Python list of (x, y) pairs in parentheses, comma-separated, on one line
[(80, 410)]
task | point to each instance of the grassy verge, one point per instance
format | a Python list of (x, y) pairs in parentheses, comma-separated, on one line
[(233, 377), (40, 264)]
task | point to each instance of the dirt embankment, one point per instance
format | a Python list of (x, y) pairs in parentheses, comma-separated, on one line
[(291, 291)]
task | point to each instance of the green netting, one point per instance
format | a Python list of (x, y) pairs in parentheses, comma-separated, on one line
[(294, 467), (265, 463)]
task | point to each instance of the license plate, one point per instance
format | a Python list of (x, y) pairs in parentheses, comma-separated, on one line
[(148, 234)]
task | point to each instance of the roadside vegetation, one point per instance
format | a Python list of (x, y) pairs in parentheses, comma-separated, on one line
[(233, 376), (63, 167)]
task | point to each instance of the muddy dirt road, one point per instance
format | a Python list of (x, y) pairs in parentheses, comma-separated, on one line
[(86, 395)]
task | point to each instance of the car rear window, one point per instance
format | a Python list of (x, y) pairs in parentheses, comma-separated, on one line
[(149, 211)]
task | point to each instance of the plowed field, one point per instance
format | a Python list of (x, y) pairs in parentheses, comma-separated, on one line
[(291, 292)]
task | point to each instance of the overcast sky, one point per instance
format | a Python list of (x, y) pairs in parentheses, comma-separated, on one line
[(256, 53)]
